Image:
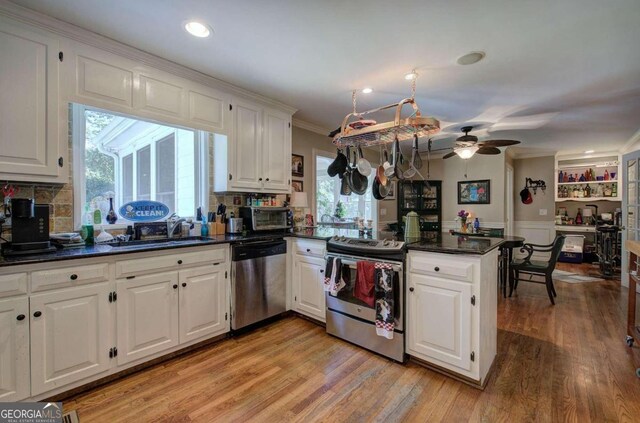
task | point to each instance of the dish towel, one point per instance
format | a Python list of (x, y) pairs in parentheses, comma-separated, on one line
[(365, 282), (384, 300), (328, 271), (334, 281)]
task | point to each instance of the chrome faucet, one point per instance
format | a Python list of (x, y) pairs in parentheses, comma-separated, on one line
[(173, 222)]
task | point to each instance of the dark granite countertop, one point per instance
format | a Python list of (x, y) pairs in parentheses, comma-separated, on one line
[(456, 244), (108, 250), (325, 233)]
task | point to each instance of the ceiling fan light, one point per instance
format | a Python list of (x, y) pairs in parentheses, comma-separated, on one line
[(466, 152)]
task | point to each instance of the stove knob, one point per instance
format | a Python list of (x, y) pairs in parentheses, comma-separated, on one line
[(336, 238), (385, 242), (394, 244), (343, 239)]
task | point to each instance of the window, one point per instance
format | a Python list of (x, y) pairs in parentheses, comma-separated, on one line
[(129, 159), (328, 196)]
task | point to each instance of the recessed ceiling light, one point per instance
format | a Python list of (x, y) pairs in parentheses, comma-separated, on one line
[(589, 151), (411, 76), (367, 90), (197, 29), (471, 58)]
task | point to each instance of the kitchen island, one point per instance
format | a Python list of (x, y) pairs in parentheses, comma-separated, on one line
[(452, 305)]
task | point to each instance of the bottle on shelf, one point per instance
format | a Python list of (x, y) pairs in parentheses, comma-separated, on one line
[(476, 226), (607, 191), (587, 191), (606, 175), (560, 177), (581, 178), (571, 178), (579, 217), (565, 178), (614, 190)]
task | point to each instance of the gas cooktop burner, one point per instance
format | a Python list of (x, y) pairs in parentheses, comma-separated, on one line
[(365, 244)]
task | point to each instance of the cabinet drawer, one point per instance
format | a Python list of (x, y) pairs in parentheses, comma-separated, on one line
[(453, 267), (15, 284), (69, 276), (173, 261), (310, 248)]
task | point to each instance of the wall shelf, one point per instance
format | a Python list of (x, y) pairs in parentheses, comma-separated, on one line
[(580, 164)]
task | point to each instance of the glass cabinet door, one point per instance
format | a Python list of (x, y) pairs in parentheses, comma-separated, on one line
[(430, 196), (409, 195)]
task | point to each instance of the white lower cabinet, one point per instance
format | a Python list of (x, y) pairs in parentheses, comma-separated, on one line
[(452, 312), (308, 286), (440, 312), (203, 303), (14, 349), (70, 337), (147, 319)]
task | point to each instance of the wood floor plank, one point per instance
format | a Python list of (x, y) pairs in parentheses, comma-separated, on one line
[(566, 363)]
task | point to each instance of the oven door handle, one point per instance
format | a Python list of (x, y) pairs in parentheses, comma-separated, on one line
[(353, 263)]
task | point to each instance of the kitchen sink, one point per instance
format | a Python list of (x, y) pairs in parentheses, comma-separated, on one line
[(158, 242)]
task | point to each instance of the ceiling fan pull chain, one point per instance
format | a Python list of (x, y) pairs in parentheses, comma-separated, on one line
[(353, 100), (413, 86)]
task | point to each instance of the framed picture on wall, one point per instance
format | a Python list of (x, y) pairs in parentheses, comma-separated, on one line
[(474, 192), (392, 191), (298, 186), (297, 165)]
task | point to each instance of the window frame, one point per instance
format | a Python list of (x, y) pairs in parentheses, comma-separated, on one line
[(78, 140), (315, 152)]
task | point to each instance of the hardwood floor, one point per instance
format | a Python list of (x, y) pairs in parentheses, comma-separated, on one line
[(566, 362)]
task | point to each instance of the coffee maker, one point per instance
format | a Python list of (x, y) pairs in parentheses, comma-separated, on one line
[(29, 228)]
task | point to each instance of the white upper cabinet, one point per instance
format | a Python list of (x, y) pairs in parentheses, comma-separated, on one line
[(101, 79), (33, 145), (276, 151), (256, 155), (246, 143)]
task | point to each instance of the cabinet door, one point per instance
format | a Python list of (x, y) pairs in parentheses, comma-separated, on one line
[(276, 151), (439, 320), (29, 136), (70, 337), (245, 144), (308, 278), (203, 303), (147, 319), (14, 349)]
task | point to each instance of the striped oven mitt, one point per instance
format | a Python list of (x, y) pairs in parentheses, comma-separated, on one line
[(384, 296), (328, 271)]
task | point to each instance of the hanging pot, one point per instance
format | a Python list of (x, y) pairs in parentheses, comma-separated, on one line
[(357, 181), (375, 189), (382, 178), (339, 165), (364, 167)]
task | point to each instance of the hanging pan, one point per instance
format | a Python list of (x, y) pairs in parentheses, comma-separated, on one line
[(357, 181), (339, 165)]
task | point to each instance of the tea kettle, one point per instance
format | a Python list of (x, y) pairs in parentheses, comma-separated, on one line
[(411, 225)]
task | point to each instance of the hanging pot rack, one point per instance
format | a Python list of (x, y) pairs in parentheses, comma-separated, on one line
[(386, 132)]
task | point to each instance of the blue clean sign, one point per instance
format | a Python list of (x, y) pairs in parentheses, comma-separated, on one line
[(144, 211)]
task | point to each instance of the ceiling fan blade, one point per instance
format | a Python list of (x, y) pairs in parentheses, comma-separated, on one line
[(433, 150), (449, 155), (488, 150), (497, 143)]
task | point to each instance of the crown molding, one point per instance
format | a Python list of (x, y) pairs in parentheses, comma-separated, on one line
[(533, 155), (303, 124), (635, 139), (75, 33)]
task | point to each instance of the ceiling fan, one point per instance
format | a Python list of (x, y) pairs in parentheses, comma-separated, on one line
[(468, 145)]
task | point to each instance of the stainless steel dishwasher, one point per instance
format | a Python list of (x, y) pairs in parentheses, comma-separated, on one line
[(258, 281)]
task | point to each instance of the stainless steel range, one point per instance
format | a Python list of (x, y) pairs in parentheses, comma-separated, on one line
[(351, 318)]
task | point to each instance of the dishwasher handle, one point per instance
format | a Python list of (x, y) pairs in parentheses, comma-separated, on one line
[(257, 250)]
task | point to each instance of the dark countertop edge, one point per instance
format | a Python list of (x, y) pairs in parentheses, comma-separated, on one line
[(87, 252), (418, 246)]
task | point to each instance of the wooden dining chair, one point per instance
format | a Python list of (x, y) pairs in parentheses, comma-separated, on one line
[(537, 268)]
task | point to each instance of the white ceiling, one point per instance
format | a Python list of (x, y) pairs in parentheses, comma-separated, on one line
[(558, 75)]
